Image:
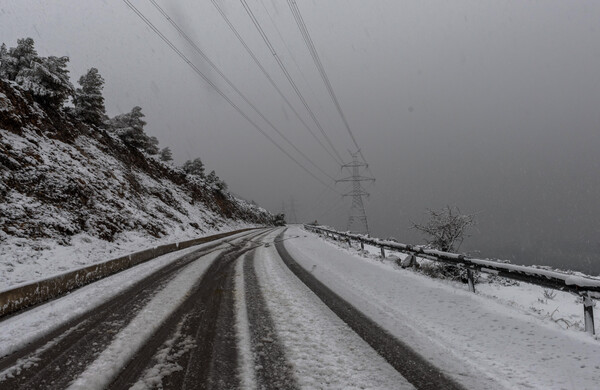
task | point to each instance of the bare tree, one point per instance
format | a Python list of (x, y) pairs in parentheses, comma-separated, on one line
[(447, 228)]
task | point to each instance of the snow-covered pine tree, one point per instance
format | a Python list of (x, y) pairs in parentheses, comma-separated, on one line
[(221, 185), (4, 61), (152, 146), (46, 78), (212, 178), (215, 181), (18, 58), (166, 155), (194, 167), (88, 100), (130, 128)]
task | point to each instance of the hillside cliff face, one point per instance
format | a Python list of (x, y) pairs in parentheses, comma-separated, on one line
[(63, 182)]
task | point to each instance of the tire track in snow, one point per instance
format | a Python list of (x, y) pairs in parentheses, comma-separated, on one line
[(56, 360), (271, 366), (245, 358), (324, 351), (206, 319), (413, 367)]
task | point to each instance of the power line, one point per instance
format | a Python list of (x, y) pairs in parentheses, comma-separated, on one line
[(209, 82), (216, 68), (264, 71), (287, 48), (289, 78), (311, 48)]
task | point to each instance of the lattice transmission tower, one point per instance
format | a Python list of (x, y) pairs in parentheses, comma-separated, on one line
[(357, 220)]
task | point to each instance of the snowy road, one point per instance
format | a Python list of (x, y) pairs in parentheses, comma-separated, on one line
[(264, 310)]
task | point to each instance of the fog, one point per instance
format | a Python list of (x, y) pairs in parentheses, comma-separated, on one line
[(492, 107)]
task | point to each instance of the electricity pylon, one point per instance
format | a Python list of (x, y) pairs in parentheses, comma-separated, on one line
[(357, 220)]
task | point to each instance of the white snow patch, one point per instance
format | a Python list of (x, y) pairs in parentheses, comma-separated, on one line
[(323, 350), (477, 340)]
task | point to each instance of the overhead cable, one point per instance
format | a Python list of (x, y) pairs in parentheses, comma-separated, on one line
[(270, 79), (214, 86), (311, 48), (289, 78), (216, 69)]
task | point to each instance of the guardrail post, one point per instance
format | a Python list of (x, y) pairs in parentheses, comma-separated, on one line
[(588, 314), (382, 253), (470, 280)]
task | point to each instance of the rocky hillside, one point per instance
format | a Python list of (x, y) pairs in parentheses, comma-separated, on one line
[(73, 193)]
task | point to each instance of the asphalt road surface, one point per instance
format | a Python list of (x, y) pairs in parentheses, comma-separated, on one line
[(198, 344)]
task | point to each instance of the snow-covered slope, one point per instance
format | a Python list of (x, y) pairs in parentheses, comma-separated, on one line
[(71, 194)]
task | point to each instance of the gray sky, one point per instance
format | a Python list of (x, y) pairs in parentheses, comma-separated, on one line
[(492, 106)]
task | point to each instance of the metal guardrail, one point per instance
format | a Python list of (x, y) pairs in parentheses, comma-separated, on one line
[(585, 287)]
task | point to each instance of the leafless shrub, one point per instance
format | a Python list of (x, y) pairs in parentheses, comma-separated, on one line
[(568, 324), (549, 294), (446, 230)]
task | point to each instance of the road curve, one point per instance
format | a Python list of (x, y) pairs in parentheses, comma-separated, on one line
[(196, 342), (418, 371)]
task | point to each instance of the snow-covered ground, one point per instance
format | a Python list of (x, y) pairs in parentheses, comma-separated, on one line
[(561, 308), (19, 330), (323, 351), (492, 339), (22, 263)]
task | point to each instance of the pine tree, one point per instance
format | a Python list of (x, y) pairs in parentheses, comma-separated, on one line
[(212, 178), (130, 128), (19, 58), (195, 167), (215, 181), (46, 78), (88, 100), (151, 146), (166, 155), (221, 185), (4, 61)]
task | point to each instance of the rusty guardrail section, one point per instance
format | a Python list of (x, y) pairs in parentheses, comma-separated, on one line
[(585, 287), (23, 296)]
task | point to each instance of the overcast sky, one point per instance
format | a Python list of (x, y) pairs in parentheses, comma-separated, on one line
[(491, 106)]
